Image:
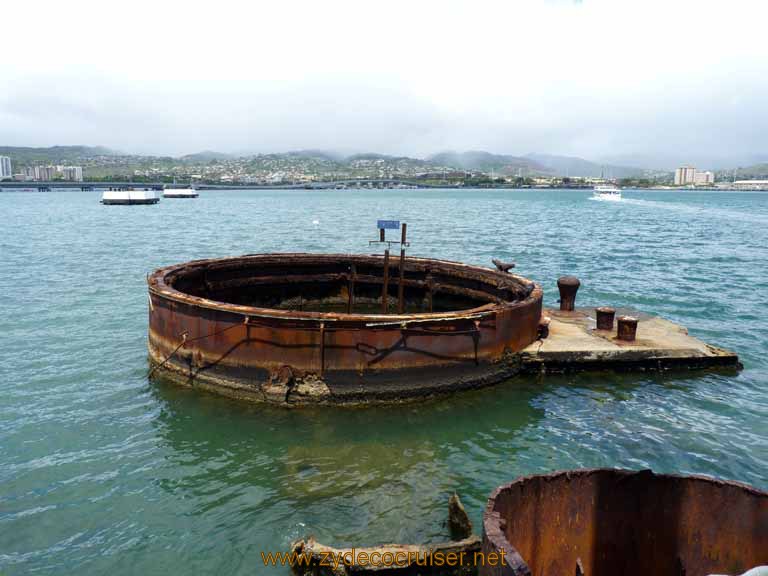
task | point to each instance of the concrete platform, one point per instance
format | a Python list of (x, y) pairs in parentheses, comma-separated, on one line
[(574, 345)]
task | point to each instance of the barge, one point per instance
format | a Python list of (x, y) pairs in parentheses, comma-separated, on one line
[(180, 193), (129, 197)]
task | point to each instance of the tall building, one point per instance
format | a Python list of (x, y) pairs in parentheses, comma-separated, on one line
[(5, 167), (74, 173), (687, 175), (44, 173)]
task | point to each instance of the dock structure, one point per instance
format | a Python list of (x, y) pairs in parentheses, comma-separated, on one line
[(574, 343)]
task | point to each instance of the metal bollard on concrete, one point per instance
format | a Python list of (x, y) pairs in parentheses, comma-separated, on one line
[(626, 328), (568, 286), (604, 317)]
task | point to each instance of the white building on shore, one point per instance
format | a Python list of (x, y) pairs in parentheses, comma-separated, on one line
[(5, 167), (750, 184)]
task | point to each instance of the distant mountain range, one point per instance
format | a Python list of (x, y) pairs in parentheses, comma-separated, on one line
[(206, 156), (54, 154), (578, 167), (533, 164), (756, 171), (479, 161)]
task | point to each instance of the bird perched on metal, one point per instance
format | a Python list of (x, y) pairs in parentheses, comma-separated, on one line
[(503, 266)]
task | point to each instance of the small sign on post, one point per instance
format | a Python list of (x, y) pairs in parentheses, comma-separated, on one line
[(383, 226), (388, 224)]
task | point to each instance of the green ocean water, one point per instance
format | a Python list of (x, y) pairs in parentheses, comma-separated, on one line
[(103, 471)]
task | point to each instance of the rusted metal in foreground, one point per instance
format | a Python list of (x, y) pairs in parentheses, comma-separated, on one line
[(607, 522), (251, 331)]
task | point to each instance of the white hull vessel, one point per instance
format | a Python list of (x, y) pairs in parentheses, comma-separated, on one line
[(606, 193), (180, 193), (129, 197)]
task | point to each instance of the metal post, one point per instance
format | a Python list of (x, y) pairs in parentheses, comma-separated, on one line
[(400, 288), (322, 347), (382, 238), (385, 288), (351, 289)]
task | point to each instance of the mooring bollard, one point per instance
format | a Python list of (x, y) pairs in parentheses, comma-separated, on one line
[(626, 328), (568, 286), (604, 316)]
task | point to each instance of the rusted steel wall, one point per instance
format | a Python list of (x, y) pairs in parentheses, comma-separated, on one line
[(248, 346), (607, 522)]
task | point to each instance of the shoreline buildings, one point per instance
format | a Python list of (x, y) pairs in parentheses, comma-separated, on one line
[(690, 176), (48, 173)]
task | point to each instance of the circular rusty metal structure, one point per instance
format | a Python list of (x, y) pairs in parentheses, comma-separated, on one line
[(605, 521), (322, 328)]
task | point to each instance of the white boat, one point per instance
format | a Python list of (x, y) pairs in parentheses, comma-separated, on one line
[(606, 192), (128, 196), (180, 193)]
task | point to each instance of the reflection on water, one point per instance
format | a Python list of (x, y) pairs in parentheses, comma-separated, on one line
[(365, 462)]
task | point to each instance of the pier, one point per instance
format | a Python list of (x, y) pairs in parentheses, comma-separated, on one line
[(576, 344)]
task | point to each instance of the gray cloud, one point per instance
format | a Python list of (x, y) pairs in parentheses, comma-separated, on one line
[(600, 78)]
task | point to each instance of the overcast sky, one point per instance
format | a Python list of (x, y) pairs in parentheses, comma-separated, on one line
[(593, 78)]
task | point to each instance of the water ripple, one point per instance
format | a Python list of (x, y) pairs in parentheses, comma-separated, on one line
[(103, 471)]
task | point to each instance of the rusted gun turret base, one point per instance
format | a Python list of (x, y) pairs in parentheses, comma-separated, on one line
[(574, 344), (292, 388), (311, 329)]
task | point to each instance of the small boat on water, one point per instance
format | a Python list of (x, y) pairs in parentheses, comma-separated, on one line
[(180, 193), (127, 196), (606, 192)]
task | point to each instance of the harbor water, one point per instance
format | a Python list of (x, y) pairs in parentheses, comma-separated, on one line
[(104, 471)]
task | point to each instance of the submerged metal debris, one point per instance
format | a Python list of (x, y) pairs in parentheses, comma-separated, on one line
[(457, 557)]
